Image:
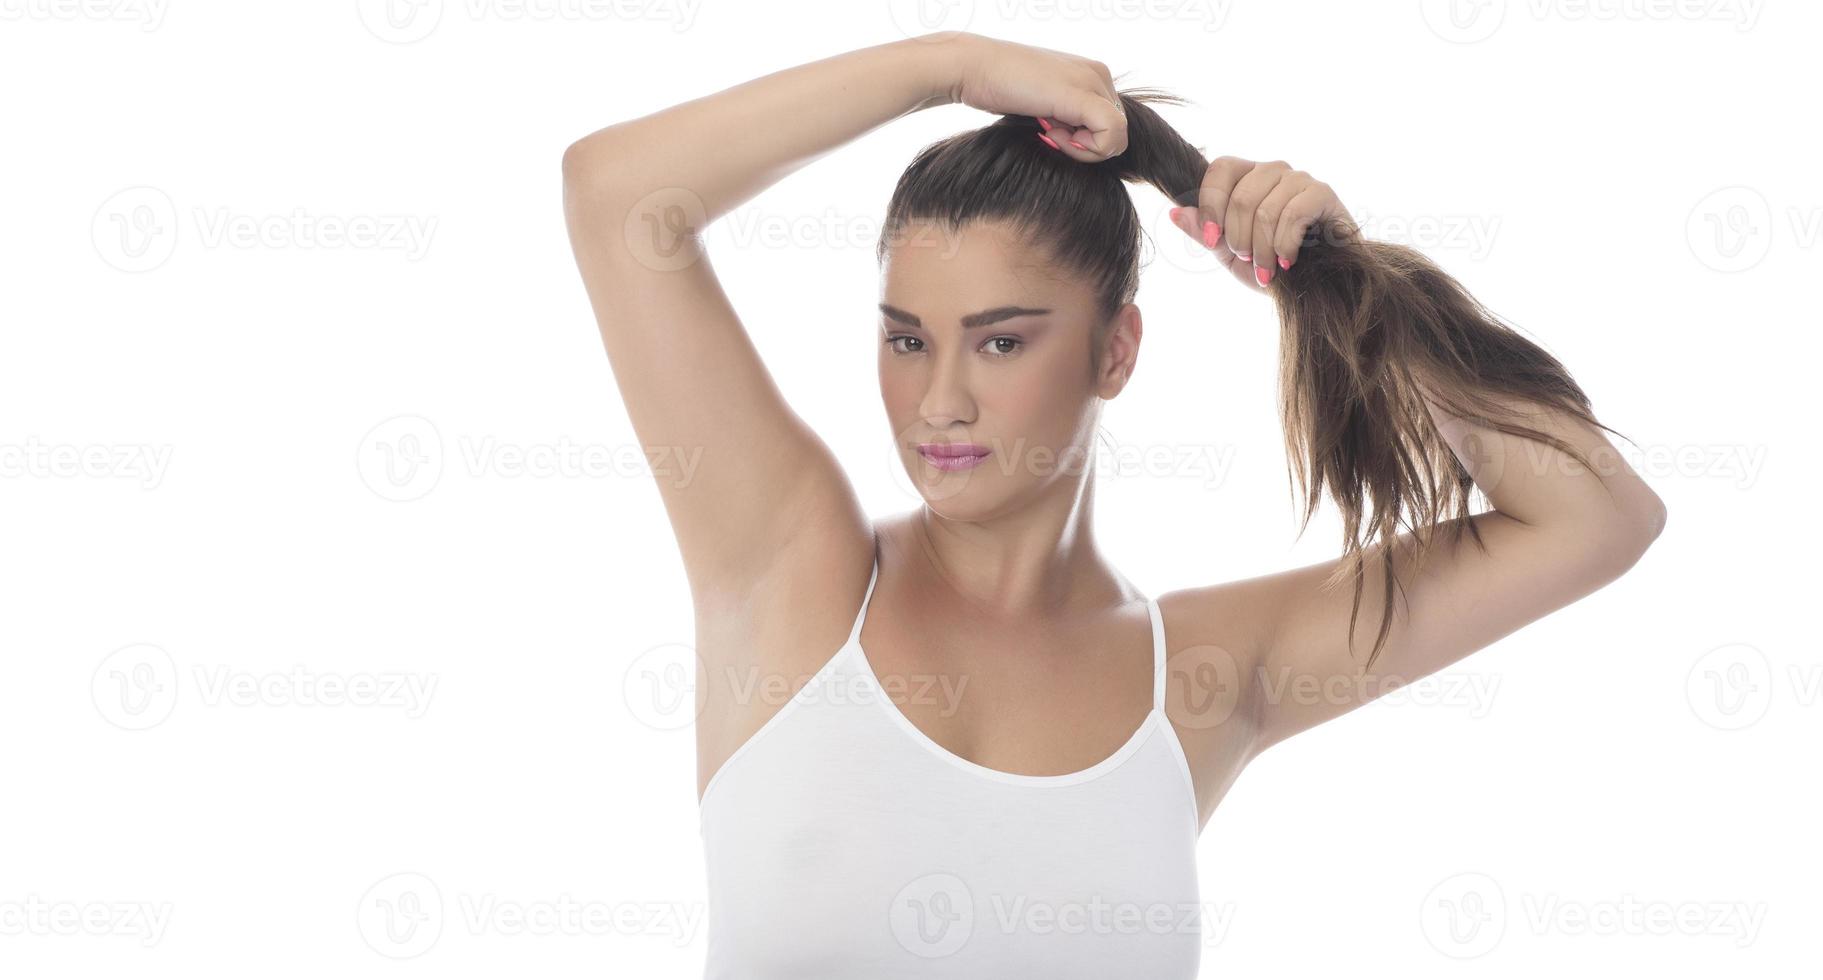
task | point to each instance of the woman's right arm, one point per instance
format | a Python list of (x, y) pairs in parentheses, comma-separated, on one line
[(740, 473)]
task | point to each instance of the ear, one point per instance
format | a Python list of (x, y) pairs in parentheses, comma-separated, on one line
[(1119, 351)]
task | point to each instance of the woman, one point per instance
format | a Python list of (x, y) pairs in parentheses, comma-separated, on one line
[(995, 774)]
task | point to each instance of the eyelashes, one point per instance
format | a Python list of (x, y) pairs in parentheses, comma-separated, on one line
[(995, 344)]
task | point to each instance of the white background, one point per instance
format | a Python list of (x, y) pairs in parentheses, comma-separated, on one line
[(245, 451)]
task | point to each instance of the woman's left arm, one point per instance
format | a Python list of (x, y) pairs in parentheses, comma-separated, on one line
[(1557, 530), (1556, 533)]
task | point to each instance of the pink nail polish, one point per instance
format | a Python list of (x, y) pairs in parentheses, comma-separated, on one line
[(1263, 274), (1211, 234), (1284, 263), (1078, 145), (1044, 124), (1049, 141)]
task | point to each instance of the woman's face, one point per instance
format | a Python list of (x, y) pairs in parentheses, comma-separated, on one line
[(985, 343)]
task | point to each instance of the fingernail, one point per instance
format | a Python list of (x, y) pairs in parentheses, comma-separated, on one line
[(1263, 274), (1243, 256), (1050, 141), (1212, 233), (1177, 218), (1284, 263), (1044, 124), (1078, 145)]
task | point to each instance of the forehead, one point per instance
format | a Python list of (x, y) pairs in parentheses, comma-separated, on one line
[(979, 265)]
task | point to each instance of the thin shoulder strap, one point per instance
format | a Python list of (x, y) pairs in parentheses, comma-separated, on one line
[(1159, 674), (854, 634)]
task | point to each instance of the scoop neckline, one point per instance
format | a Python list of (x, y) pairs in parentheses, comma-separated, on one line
[(1113, 760)]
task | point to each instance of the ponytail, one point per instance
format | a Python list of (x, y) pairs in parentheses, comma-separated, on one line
[(1367, 331)]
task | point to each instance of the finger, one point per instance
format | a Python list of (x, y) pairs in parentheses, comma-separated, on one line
[(1244, 204), (1268, 261), (1095, 126), (1212, 197), (1185, 219), (1310, 205)]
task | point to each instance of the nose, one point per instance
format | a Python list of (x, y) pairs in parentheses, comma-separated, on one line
[(947, 397)]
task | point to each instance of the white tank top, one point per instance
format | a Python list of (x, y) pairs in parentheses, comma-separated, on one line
[(841, 843)]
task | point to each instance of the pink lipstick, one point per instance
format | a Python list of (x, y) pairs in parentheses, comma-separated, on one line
[(952, 455)]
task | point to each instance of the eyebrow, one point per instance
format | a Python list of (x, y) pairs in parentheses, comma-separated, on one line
[(981, 319)]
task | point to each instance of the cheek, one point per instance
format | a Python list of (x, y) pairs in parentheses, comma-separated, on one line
[(1041, 403)]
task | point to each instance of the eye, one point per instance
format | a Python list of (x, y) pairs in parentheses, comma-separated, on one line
[(1004, 351), (895, 338)]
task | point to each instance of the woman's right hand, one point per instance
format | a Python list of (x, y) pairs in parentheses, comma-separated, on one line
[(1075, 96)]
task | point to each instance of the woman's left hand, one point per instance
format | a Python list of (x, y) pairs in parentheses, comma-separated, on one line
[(1254, 215)]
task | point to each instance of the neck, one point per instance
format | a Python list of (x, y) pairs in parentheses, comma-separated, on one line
[(1036, 559)]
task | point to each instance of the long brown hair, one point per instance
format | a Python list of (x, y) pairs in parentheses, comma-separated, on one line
[(1368, 329)]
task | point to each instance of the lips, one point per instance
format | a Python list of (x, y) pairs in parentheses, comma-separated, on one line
[(953, 455), (951, 450)]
